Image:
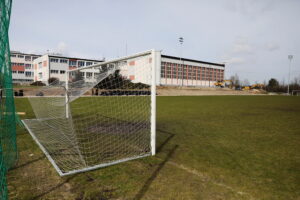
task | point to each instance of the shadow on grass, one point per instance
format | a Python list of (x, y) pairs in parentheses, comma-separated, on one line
[(28, 163), (147, 184), (54, 188), (170, 136)]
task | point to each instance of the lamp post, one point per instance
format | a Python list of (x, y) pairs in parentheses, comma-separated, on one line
[(290, 57), (181, 43)]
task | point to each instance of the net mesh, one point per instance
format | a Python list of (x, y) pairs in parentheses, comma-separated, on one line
[(8, 149), (100, 116)]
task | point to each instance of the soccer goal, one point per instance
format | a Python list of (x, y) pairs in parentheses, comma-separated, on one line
[(296, 93), (101, 115)]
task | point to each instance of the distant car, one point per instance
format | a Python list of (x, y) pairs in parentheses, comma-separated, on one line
[(39, 94), (238, 88)]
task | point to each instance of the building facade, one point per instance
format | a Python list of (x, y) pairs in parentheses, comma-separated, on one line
[(177, 71), (55, 66), (22, 66), (173, 71)]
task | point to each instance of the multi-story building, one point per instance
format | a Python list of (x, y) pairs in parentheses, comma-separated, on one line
[(177, 71), (55, 66), (22, 66), (173, 71)]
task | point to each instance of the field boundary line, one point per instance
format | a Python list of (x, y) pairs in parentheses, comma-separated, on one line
[(206, 178)]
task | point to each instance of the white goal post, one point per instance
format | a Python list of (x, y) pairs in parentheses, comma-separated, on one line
[(296, 92), (101, 115)]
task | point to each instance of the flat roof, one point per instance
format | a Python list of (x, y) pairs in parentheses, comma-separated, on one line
[(191, 60), (28, 54), (58, 56), (55, 56)]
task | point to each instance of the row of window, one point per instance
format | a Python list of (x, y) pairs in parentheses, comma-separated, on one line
[(27, 58), (86, 74), (27, 74), (53, 71), (79, 63), (22, 80), (175, 71), (27, 66)]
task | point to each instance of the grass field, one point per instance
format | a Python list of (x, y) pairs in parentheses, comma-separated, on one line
[(212, 147)]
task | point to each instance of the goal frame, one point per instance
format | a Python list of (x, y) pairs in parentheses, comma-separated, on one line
[(155, 65), (295, 91)]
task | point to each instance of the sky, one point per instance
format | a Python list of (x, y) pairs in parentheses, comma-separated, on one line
[(252, 37)]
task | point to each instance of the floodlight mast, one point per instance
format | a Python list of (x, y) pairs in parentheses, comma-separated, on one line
[(290, 57), (181, 43)]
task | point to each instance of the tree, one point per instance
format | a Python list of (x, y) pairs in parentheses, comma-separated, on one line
[(116, 81), (273, 83), (52, 80), (246, 82), (235, 80)]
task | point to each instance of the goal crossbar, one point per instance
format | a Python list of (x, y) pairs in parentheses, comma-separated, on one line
[(116, 125)]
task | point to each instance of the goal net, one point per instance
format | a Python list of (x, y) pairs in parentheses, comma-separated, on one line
[(102, 115), (296, 93)]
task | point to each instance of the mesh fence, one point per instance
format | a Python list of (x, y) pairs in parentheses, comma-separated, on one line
[(8, 150), (100, 116)]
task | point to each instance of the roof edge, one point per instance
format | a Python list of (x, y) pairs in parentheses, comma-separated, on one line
[(191, 60)]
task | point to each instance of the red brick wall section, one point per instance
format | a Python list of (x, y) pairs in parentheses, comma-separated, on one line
[(45, 63), (35, 66), (70, 68), (132, 63), (18, 68), (131, 77)]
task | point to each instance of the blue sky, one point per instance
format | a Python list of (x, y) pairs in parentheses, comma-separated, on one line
[(253, 37)]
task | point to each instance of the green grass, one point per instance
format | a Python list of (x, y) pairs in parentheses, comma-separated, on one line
[(209, 147)]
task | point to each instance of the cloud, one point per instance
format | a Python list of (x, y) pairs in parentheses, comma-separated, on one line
[(62, 48), (249, 7), (241, 45), (235, 60), (271, 46)]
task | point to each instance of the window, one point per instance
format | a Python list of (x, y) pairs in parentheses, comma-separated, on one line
[(89, 63), (62, 71), (28, 74), (34, 57), (89, 75), (174, 71), (20, 56), (40, 75), (14, 72), (13, 55), (184, 71), (27, 66), (95, 63), (72, 62), (162, 73), (27, 58), (80, 63), (55, 60), (63, 61), (20, 72), (53, 71), (18, 64), (40, 65)]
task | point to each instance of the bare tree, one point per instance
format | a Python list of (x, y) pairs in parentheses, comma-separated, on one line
[(246, 82)]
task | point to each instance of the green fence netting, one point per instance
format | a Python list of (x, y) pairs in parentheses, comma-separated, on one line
[(8, 147)]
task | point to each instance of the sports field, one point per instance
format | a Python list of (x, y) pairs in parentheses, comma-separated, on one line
[(208, 147)]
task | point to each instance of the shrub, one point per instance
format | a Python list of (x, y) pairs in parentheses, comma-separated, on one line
[(38, 83)]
